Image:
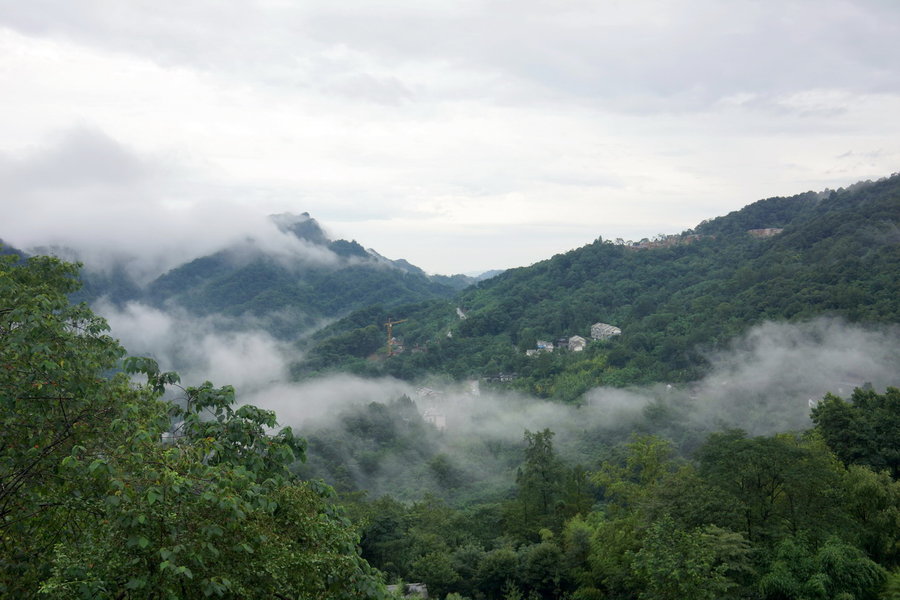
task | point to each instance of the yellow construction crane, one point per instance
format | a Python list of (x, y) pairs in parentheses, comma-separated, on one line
[(390, 334)]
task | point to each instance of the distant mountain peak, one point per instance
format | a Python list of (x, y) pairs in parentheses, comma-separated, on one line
[(301, 226), (347, 249)]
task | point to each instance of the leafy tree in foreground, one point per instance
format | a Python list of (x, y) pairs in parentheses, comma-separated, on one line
[(100, 497), (52, 403)]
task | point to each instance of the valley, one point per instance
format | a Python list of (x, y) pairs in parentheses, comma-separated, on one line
[(724, 396)]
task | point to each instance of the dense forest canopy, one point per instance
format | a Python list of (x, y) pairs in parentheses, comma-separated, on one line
[(756, 517), (835, 253)]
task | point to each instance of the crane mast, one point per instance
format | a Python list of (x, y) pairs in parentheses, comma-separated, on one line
[(390, 334)]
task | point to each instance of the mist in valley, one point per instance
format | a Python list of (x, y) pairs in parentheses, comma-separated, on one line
[(463, 440)]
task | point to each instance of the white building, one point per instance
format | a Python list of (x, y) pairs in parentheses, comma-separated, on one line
[(604, 331), (577, 343), (437, 419)]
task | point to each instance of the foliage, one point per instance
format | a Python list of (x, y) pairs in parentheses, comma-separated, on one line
[(108, 492), (837, 255), (54, 404), (863, 431), (873, 502), (539, 485), (674, 564), (747, 517), (836, 570)]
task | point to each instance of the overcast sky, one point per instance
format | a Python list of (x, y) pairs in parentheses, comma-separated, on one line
[(461, 135)]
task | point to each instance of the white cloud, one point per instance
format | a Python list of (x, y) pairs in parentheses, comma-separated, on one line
[(225, 351), (625, 119), (88, 192)]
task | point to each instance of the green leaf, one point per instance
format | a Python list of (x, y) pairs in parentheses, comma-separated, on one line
[(136, 583), (153, 494)]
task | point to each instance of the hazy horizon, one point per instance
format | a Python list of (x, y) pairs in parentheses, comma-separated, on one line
[(461, 137)]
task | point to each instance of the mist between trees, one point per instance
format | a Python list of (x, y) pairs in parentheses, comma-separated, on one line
[(362, 437)]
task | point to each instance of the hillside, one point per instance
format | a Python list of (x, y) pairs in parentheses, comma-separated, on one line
[(834, 253), (288, 284)]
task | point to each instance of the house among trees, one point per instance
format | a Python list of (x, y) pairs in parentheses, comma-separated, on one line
[(437, 419), (502, 378), (577, 343), (765, 233), (427, 392), (604, 331), (410, 590)]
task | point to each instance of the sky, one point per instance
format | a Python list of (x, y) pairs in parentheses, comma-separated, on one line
[(462, 136)]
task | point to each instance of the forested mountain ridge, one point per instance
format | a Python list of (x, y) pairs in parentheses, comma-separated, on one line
[(837, 253), (292, 284)]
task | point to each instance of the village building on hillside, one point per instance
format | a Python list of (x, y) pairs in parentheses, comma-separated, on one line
[(427, 392), (765, 233), (501, 378), (439, 420), (577, 343), (410, 590), (604, 331)]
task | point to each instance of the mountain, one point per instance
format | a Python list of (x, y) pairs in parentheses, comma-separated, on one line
[(7, 249), (289, 282), (675, 298)]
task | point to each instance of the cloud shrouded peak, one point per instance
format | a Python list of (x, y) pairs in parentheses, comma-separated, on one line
[(429, 130)]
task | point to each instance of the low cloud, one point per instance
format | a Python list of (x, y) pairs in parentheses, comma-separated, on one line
[(89, 197), (762, 383), (768, 378), (765, 382), (318, 401), (223, 350)]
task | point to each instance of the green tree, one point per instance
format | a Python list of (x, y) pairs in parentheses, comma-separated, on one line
[(539, 488), (108, 492), (648, 464), (872, 501), (780, 484), (53, 402), (865, 430), (673, 564), (466, 559), (542, 569), (436, 570), (497, 569), (836, 571)]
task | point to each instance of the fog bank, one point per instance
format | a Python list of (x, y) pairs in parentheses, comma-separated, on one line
[(765, 382)]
